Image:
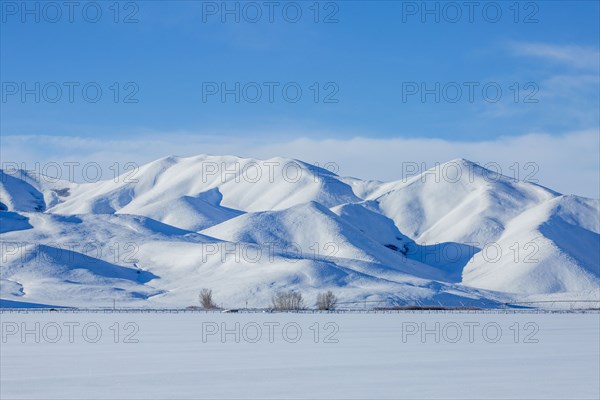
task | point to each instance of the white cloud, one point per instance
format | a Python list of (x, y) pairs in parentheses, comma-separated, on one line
[(565, 86), (572, 55), (568, 163)]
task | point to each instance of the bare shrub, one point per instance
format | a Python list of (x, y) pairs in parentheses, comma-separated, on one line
[(206, 299), (326, 301), (290, 300)]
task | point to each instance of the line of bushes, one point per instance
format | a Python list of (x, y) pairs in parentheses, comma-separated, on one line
[(282, 301)]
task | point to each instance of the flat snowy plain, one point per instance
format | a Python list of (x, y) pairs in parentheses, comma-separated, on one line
[(341, 355)]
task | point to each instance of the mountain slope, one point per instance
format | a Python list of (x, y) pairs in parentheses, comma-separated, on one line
[(245, 185), (25, 191), (312, 231), (93, 260), (18, 195), (458, 201), (247, 228), (543, 251), (187, 212)]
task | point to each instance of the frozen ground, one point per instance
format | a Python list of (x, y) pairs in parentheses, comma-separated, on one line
[(553, 356)]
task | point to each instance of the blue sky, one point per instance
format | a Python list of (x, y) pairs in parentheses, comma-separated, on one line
[(365, 57)]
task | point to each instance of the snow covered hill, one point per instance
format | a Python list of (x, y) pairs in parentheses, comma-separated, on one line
[(551, 248), (247, 228), (244, 184)]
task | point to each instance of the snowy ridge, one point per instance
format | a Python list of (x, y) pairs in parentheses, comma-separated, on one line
[(246, 228)]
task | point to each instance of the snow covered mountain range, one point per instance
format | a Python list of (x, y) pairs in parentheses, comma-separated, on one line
[(457, 234)]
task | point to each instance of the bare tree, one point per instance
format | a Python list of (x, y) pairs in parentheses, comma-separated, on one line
[(326, 301), (206, 299), (290, 300)]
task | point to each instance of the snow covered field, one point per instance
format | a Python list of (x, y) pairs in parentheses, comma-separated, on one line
[(255, 355)]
